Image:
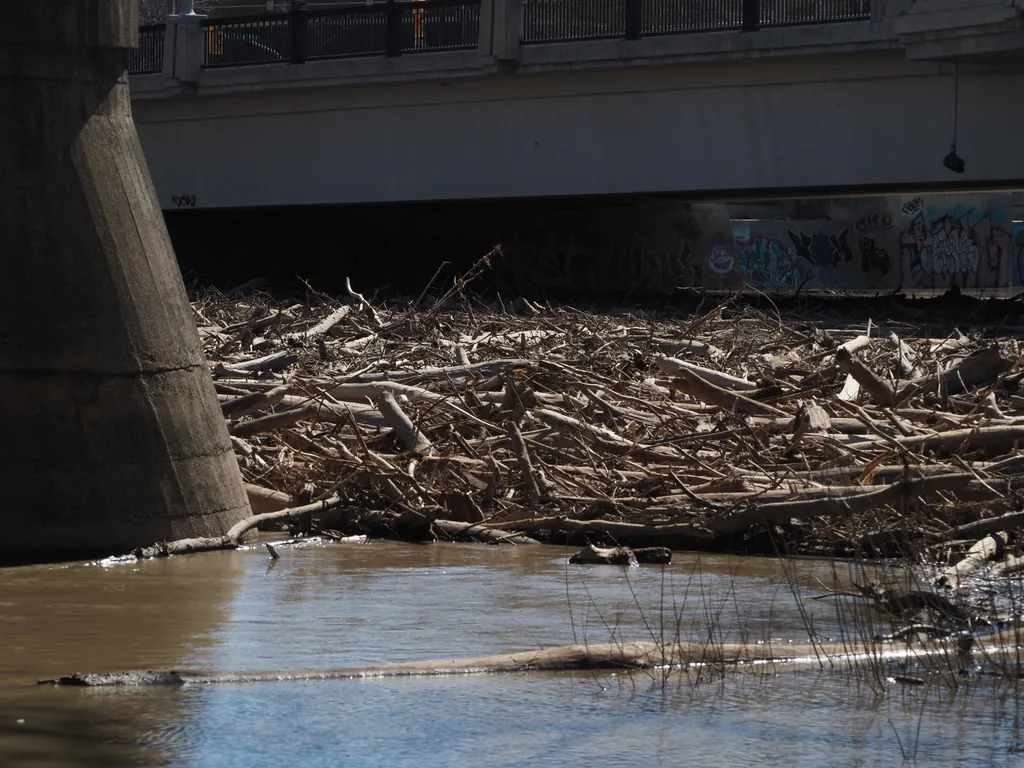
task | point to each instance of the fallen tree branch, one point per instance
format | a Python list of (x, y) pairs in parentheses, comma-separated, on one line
[(232, 539), (838, 504)]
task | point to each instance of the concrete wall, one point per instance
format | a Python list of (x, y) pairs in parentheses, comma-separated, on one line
[(865, 244), (837, 122), (914, 242)]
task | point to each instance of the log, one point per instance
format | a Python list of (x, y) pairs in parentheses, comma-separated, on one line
[(993, 440), (266, 500), (981, 367), (1007, 522), (533, 482), (591, 555), (622, 531), (411, 436), (339, 413), (474, 531), (232, 538), (359, 392), (325, 325), (613, 656), (486, 368), (906, 356), (676, 367), (812, 419), (256, 401), (880, 392), (273, 421), (842, 503), (276, 361), (983, 550), (692, 384)]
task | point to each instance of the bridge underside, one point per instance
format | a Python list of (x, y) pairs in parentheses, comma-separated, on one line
[(834, 122)]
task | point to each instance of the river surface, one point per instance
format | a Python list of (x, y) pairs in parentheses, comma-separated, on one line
[(348, 604)]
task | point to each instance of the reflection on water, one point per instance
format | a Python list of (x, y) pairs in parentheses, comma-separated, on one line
[(348, 605)]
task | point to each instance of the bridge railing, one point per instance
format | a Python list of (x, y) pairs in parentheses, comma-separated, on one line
[(237, 41), (148, 57), (398, 27), (550, 21), (380, 29)]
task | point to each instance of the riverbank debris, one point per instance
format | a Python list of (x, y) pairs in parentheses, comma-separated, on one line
[(736, 428)]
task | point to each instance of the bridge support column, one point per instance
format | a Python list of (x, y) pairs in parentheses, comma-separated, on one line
[(112, 437)]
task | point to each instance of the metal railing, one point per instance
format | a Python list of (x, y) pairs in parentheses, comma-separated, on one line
[(148, 56), (397, 27), (549, 21), (233, 42), (339, 33), (438, 25), (388, 28), (672, 17), (779, 13)]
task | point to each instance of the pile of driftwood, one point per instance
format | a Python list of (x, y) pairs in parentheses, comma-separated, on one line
[(731, 429)]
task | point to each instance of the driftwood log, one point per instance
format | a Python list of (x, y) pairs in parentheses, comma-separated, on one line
[(591, 555), (617, 656)]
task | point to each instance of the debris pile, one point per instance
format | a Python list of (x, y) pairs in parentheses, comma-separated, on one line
[(733, 429)]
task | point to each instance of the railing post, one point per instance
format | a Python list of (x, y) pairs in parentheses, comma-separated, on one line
[(393, 29), (751, 15), (189, 46), (170, 47), (634, 11), (298, 27), (485, 41), (508, 29)]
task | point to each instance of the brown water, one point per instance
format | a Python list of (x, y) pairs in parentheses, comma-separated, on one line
[(342, 605)]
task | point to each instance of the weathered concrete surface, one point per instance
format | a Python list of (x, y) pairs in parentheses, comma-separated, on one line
[(113, 437)]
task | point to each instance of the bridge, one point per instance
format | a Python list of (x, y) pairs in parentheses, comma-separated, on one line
[(479, 99)]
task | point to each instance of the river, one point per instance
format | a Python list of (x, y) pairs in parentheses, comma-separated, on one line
[(349, 604)]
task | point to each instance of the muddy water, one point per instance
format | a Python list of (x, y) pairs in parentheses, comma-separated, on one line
[(346, 604)]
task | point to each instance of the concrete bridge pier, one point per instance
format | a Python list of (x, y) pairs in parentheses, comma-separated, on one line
[(112, 436)]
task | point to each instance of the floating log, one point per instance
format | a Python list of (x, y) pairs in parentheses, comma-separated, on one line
[(591, 555), (613, 656)]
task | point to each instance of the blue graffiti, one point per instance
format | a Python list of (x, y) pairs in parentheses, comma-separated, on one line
[(766, 263)]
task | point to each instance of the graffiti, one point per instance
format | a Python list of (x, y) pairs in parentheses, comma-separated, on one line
[(874, 222), (766, 263), (561, 264), (874, 258), (821, 249), (928, 242), (721, 260), (913, 206), (951, 250), (184, 201)]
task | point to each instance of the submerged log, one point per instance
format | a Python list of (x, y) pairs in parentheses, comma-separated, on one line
[(592, 555), (620, 656)]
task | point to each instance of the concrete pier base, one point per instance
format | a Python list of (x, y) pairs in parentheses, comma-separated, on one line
[(112, 436)]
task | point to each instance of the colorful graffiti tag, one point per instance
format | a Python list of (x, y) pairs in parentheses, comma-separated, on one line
[(931, 243), (766, 263), (962, 248)]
